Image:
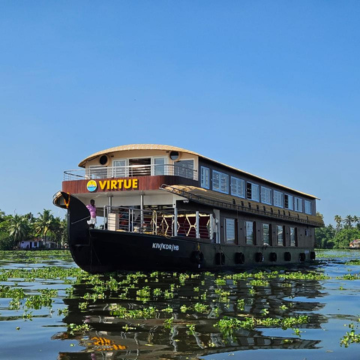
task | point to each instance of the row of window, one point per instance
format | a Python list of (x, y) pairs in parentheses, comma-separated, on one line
[(254, 192), (230, 233)]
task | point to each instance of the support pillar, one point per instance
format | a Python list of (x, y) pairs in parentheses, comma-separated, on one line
[(141, 211), (198, 224), (212, 229), (175, 232)]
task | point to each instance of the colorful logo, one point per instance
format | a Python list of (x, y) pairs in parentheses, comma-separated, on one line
[(91, 185)]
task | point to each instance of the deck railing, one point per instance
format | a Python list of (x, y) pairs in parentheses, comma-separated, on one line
[(105, 172), (168, 223)]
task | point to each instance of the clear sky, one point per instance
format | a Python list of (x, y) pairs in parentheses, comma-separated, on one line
[(270, 87)]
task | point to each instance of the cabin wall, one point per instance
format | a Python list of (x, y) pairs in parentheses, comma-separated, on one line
[(250, 179), (302, 239)]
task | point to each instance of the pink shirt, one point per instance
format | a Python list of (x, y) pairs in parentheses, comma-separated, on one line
[(92, 210)]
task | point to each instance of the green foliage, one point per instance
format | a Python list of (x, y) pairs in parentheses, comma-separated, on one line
[(6, 242), (17, 228), (342, 238), (325, 237), (329, 237)]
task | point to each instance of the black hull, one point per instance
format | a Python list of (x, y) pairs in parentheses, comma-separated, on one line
[(100, 251)]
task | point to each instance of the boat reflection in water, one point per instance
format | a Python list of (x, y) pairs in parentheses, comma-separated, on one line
[(133, 323)]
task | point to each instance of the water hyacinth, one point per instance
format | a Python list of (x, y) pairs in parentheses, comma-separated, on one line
[(203, 311)]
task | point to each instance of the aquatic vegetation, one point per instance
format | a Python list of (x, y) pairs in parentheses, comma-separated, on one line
[(227, 325), (181, 306), (350, 337), (73, 328), (264, 312), (353, 262), (258, 282), (168, 322), (124, 313), (38, 301), (201, 308), (191, 328), (241, 304), (169, 309), (349, 277), (220, 281), (157, 292)]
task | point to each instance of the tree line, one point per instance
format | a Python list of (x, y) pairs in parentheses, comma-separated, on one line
[(338, 237), (17, 228)]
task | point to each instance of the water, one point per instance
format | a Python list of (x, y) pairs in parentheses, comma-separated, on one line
[(49, 309)]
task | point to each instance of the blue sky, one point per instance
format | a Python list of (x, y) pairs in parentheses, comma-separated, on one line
[(270, 87)]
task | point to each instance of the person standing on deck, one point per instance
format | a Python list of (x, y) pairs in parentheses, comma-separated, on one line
[(92, 210)]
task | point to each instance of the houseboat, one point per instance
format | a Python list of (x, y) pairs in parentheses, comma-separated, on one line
[(161, 207)]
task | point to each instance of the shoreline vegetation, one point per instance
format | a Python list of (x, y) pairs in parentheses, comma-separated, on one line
[(339, 237), (45, 228)]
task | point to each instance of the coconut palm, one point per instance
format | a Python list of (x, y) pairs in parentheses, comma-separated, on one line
[(338, 221), (355, 219), (348, 221), (64, 232), (59, 231), (18, 228), (44, 223)]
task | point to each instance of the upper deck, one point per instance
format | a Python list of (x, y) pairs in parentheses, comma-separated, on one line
[(132, 169)]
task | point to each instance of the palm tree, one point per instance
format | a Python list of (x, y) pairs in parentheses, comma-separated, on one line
[(355, 219), (64, 232), (18, 229), (44, 223), (348, 221), (338, 221), (59, 231)]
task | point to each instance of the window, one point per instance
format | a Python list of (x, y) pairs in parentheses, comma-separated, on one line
[(237, 187), (140, 167), (265, 195), (307, 207), (220, 182), (292, 236), (252, 191), (184, 168), (278, 198), (266, 234), (289, 202), (230, 230), (174, 155), (280, 235), (159, 166), (205, 177), (249, 233), (119, 168), (298, 204)]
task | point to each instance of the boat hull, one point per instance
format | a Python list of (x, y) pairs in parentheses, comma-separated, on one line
[(100, 251), (109, 251)]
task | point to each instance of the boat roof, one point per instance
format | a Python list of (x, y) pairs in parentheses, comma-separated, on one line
[(175, 148)]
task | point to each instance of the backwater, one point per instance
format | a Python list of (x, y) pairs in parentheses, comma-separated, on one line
[(50, 309)]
